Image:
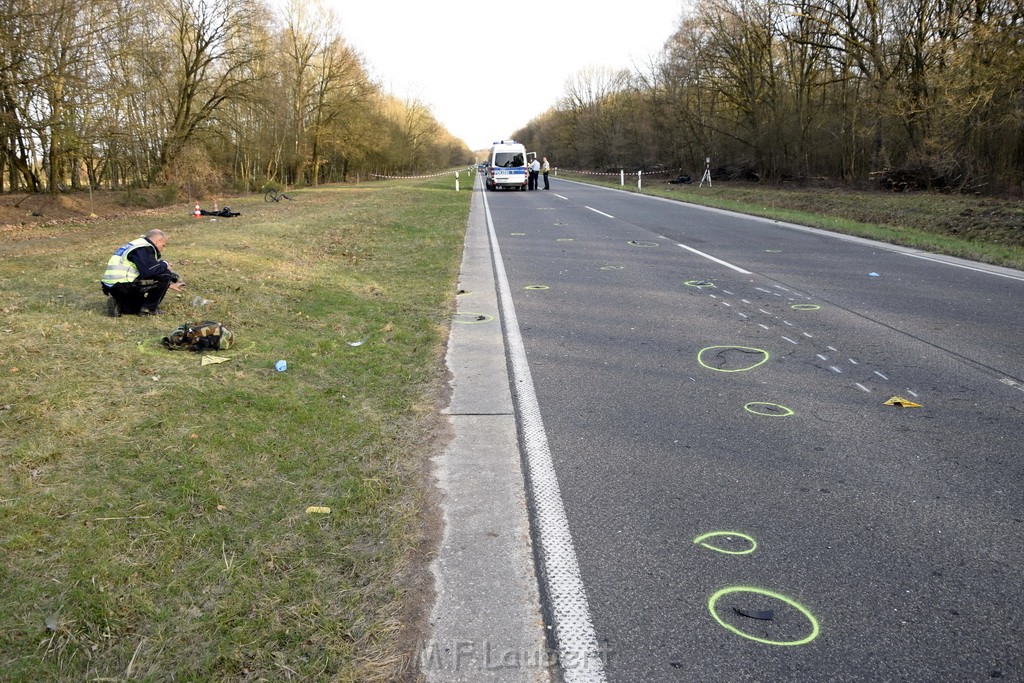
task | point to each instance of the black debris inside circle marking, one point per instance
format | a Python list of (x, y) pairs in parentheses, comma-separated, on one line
[(481, 317), (722, 356), (762, 614)]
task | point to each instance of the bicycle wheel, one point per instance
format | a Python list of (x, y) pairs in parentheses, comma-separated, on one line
[(270, 195)]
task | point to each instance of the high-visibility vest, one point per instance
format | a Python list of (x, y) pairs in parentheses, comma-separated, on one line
[(119, 268)]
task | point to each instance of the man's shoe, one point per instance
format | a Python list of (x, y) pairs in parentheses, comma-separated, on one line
[(152, 311), (113, 308)]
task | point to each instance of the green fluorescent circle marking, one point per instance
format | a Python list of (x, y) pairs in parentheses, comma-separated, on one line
[(517, 234), (773, 251), (536, 287), (700, 540), (156, 349), (805, 307), (699, 284), (753, 407), (815, 628), (466, 318), (565, 239), (634, 243), (612, 267), (764, 354)]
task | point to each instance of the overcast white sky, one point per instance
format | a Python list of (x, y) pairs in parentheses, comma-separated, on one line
[(466, 59)]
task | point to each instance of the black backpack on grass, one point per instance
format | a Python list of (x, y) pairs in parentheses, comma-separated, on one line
[(200, 336)]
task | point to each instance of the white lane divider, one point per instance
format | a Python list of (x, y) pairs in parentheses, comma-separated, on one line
[(575, 639), (596, 211), (716, 260)]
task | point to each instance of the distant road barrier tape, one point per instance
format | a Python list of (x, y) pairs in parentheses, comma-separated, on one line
[(570, 170), (404, 177)]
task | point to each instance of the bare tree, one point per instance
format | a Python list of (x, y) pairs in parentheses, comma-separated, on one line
[(209, 48)]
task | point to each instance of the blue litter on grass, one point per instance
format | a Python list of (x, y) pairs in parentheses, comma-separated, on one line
[(873, 275), (281, 366)]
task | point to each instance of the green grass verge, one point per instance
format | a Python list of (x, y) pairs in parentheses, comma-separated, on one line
[(982, 229), (153, 518)]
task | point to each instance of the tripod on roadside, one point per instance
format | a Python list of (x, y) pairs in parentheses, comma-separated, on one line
[(707, 172)]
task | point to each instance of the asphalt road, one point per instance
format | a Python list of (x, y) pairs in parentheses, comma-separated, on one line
[(682, 396)]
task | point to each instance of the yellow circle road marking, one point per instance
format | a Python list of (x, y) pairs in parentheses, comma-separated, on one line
[(472, 318), (700, 540), (815, 628), (753, 407), (741, 349)]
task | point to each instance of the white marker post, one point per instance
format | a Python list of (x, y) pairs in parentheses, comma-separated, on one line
[(639, 181), (456, 181), (622, 177)]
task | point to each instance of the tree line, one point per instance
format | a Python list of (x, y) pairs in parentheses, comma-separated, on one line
[(915, 93), (197, 93)]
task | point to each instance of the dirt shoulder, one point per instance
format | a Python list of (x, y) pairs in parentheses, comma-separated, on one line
[(33, 209)]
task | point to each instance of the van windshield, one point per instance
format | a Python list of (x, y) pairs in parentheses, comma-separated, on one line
[(508, 159)]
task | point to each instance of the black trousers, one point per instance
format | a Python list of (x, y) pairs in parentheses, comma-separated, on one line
[(546, 186), (532, 183), (133, 296)]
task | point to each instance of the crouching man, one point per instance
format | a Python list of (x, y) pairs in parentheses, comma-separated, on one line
[(136, 279)]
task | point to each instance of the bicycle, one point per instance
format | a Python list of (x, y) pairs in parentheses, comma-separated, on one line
[(275, 195)]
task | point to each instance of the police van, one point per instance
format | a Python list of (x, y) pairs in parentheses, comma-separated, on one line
[(507, 166)]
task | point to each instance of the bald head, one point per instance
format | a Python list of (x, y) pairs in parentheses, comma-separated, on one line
[(158, 238)]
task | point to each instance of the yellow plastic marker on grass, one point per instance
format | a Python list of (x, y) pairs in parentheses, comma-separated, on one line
[(210, 360), (318, 510), (902, 403)]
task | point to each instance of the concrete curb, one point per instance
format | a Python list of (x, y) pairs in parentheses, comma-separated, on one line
[(486, 622)]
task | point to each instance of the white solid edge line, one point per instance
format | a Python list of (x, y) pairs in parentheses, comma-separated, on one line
[(578, 651), (961, 265), (596, 211), (716, 260)]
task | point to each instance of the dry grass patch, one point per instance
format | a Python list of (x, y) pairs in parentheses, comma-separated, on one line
[(153, 511)]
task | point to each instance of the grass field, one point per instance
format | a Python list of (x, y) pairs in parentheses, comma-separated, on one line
[(153, 521), (985, 229)]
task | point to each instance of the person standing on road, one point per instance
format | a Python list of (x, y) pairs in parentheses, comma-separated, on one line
[(534, 173), (545, 168), (136, 280)]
